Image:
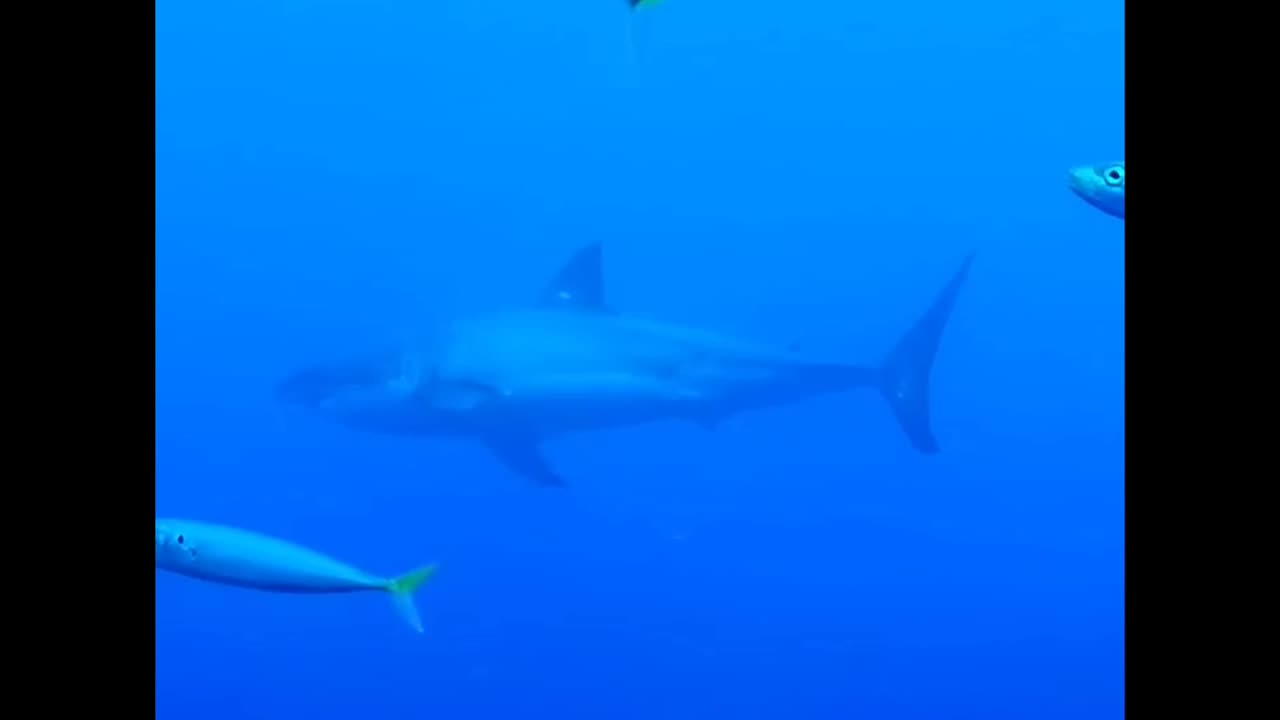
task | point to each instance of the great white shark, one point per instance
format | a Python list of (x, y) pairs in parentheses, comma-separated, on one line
[(569, 362)]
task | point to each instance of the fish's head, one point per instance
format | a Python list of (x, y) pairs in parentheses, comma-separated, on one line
[(175, 545), (1102, 186)]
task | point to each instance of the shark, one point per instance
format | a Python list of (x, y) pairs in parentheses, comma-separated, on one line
[(567, 361)]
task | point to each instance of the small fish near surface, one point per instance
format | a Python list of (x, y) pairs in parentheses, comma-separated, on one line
[(242, 558), (1102, 186), (568, 362)]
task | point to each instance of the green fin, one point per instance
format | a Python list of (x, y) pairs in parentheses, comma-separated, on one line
[(402, 590)]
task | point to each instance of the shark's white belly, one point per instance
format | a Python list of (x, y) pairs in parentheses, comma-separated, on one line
[(556, 403)]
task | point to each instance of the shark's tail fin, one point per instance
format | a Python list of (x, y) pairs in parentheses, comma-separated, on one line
[(402, 589), (904, 377)]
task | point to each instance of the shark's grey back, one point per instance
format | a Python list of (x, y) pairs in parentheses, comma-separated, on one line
[(536, 341)]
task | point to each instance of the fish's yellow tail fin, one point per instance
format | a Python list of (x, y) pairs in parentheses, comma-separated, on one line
[(633, 46), (402, 589)]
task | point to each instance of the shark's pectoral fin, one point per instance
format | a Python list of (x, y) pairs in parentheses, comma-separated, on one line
[(522, 454)]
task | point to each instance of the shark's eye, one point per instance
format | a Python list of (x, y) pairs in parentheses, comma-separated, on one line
[(1114, 176), (181, 539)]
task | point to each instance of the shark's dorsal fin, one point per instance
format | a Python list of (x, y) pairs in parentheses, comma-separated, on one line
[(579, 285)]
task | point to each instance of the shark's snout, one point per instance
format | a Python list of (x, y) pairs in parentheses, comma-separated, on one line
[(305, 387), (313, 386)]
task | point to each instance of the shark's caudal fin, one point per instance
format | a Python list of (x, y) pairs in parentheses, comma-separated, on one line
[(402, 589), (903, 379)]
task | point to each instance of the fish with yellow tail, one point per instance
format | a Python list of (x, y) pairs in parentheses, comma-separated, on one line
[(1102, 186), (238, 557), (633, 7)]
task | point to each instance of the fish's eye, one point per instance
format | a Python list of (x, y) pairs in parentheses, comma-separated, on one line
[(181, 539), (1114, 175)]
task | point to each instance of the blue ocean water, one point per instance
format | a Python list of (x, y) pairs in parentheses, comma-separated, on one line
[(334, 175)]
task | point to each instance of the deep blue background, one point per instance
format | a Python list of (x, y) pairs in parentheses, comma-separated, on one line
[(333, 175)]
